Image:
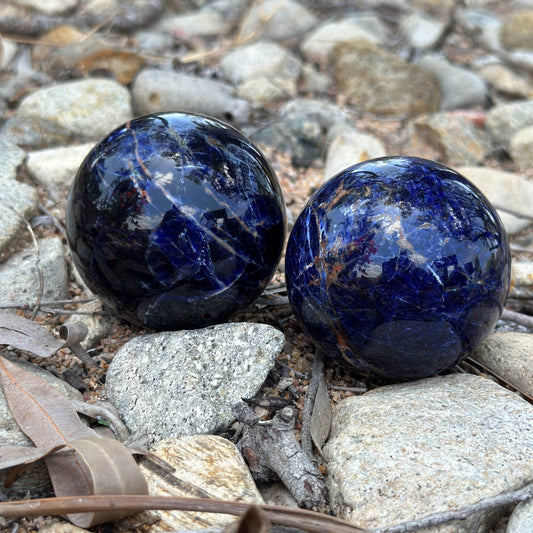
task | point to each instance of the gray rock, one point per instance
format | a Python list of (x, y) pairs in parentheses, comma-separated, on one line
[(321, 111), (299, 136), (521, 147), (16, 198), (504, 80), (20, 279), (318, 46), (87, 108), (505, 190), (404, 451), (521, 279), (510, 355), (35, 478), (379, 82), (263, 91), (49, 7), (162, 90), (201, 23), (455, 137), (277, 20), (521, 520), (422, 31), (504, 120), (483, 24), (347, 146), (178, 383), (55, 168), (314, 81), (262, 59), (214, 469), (517, 29), (9, 50), (460, 88)]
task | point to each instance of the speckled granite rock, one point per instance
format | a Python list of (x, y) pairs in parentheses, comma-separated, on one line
[(404, 451)]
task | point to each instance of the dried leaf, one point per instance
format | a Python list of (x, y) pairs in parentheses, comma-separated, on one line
[(23, 455), (123, 64), (321, 417), (254, 520), (27, 335), (95, 465)]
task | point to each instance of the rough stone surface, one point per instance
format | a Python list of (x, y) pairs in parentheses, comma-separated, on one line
[(192, 24), (276, 19), (504, 80), (486, 26), (422, 31), (206, 466), (161, 90), (379, 82), (455, 137), (503, 189), (460, 88), (87, 108), (55, 168), (521, 148), (19, 274), (510, 355), (521, 520), (506, 119), (347, 146), (15, 196), (325, 113), (195, 375), (404, 451), (521, 279), (517, 30)]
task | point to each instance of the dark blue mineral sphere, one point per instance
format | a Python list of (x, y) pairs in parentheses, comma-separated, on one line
[(398, 267), (175, 221)]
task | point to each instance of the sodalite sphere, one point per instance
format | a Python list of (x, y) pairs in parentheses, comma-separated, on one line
[(398, 267), (175, 221)]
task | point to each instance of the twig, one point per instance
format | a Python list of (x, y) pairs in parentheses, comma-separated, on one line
[(40, 290), (521, 249), (55, 220), (519, 318), (305, 432), (435, 519), (286, 516)]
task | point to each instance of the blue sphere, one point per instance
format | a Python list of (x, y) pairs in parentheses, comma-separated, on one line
[(175, 221), (398, 267)]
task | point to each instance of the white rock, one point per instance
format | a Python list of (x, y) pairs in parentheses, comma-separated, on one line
[(521, 520), (504, 120), (421, 31), (50, 7), (319, 44), (510, 355), (503, 189), (321, 111), (206, 466), (178, 383), (201, 23), (9, 49), (161, 90), (484, 24), (276, 19), (521, 279), (521, 148), (460, 88), (401, 452), (88, 108), (505, 80), (55, 168), (262, 91), (20, 278), (347, 146)]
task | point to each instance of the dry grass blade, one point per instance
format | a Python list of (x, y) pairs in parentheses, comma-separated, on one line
[(286, 516), (27, 335)]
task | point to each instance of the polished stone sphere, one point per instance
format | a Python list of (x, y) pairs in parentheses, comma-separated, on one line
[(398, 267), (175, 221)]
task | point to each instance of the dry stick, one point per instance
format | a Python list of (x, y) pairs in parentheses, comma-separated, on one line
[(521, 249), (37, 265), (435, 519), (316, 375), (287, 516), (519, 318)]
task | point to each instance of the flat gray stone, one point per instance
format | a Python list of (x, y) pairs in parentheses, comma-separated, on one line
[(510, 355), (325, 113), (55, 168), (178, 383), (460, 88), (347, 146), (401, 452), (504, 120), (277, 20), (19, 274), (15, 196), (200, 23), (505, 80), (521, 147), (421, 30), (163, 90), (506, 190), (87, 108)]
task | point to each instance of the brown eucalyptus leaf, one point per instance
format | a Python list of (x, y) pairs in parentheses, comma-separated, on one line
[(255, 520), (42, 413), (23, 455), (321, 417), (27, 335), (95, 466)]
